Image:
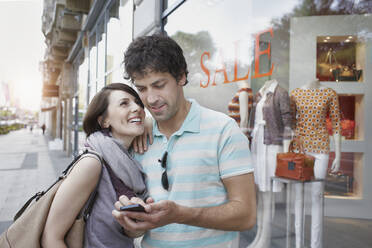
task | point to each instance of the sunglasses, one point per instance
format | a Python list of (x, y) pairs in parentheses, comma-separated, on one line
[(164, 176)]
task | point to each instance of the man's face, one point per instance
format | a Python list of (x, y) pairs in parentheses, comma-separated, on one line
[(161, 94)]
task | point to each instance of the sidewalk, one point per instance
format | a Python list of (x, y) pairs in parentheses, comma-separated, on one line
[(27, 166)]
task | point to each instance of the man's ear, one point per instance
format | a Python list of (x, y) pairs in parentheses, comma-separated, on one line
[(182, 80)]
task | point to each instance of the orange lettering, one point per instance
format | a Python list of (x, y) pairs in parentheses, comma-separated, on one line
[(258, 53), (205, 69), (223, 69), (236, 66)]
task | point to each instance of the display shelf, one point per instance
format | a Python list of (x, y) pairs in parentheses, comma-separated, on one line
[(340, 58), (352, 120), (348, 181)]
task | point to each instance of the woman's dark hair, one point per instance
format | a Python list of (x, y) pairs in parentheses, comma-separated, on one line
[(99, 104), (155, 53)]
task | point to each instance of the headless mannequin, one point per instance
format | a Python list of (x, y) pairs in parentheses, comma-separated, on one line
[(317, 191), (315, 84), (264, 213)]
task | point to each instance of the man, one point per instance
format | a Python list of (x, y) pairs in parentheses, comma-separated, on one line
[(199, 171)]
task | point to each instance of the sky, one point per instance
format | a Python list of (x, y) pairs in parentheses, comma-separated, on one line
[(21, 49)]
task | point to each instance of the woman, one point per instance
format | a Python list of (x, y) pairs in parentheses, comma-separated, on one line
[(113, 119)]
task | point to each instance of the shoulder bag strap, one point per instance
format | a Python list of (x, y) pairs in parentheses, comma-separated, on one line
[(39, 194), (87, 209)]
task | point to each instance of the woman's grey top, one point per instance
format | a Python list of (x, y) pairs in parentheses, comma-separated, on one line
[(101, 229)]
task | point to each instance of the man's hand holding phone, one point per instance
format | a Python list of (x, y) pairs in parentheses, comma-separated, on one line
[(134, 208), (130, 214)]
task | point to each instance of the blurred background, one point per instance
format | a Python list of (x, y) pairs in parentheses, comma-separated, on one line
[(21, 52)]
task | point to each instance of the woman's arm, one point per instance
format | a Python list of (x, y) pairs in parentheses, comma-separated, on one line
[(69, 200), (140, 142)]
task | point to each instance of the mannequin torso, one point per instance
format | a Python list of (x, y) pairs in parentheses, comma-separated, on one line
[(312, 102)]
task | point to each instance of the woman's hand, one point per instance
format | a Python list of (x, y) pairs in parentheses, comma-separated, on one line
[(140, 142)]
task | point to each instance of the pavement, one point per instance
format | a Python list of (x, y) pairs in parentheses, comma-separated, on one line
[(27, 166)]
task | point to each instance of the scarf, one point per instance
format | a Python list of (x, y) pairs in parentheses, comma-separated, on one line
[(120, 161)]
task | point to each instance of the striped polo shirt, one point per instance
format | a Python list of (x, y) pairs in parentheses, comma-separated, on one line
[(208, 147)]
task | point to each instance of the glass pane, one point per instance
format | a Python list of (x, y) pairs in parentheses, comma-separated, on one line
[(219, 43), (83, 104), (83, 81), (93, 72), (119, 35), (101, 63), (249, 42)]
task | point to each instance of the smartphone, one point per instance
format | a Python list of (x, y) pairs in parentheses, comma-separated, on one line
[(134, 207)]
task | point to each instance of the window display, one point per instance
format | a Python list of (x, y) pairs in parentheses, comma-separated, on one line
[(347, 181), (350, 117), (311, 105), (294, 44), (339, 59), (270, 129)]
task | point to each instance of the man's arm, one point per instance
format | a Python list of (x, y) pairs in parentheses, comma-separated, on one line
[(239, 213)]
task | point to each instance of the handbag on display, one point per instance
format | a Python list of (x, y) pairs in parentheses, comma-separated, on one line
[(29, 222), (293, 165), (338, 184), (347, 127)]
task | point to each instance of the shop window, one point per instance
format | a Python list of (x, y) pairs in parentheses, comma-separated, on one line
[(101, 63), (83, 80), (340, 58), (93, 72), (101, 56), (119, 36), (348, 181)]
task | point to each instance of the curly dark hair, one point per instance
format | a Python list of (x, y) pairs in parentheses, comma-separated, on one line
[(99, 104), (155, 53)]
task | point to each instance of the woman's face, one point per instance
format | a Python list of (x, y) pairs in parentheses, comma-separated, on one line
[(125, 116)]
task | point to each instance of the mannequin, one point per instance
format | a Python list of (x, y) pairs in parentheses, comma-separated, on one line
[(311, 103), (240, 106), (270, 126)]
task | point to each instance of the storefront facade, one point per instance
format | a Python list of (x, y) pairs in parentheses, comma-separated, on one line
[(248, 42), (256, 41)]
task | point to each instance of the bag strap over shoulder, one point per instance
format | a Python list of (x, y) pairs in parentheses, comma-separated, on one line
[(39, 194), (88, 207)]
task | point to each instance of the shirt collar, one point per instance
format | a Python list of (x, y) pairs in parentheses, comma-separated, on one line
[(271, 88), (190, 124)]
